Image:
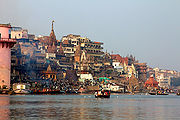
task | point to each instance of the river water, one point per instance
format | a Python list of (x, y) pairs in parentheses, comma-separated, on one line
[(76, 107)]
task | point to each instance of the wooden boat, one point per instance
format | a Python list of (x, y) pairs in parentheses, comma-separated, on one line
[(158, 93), (102, 94), (152, 93), (21, 88), (47, 91), (178, 93), (22, 91), (162, 93)]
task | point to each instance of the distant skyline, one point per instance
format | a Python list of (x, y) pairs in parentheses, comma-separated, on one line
[(147, 29)]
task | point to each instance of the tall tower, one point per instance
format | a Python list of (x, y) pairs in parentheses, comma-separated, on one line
[(52, 43), (6, 43), (77, 56)]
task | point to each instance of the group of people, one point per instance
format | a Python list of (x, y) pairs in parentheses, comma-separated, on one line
[(102, 93)]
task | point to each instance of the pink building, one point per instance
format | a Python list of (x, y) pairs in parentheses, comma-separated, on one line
[(6, 43)]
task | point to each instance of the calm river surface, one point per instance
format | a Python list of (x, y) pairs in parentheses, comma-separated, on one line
[(76, 107)]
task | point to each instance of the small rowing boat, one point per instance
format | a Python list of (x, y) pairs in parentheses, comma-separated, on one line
[(102, 94)]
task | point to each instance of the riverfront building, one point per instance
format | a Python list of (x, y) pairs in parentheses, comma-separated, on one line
[(19, 33), (151, 83), (71, 43), (74, 61), (84, 52), (6, 43)]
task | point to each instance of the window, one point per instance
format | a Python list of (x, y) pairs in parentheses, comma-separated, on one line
[(9, 36), (0, 35), (4, 86), (13, 61)]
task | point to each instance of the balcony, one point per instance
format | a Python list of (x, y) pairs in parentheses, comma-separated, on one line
[(93, 53), (3, 40), (94, 48)]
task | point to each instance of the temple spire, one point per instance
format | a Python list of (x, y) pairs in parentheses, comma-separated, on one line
[(52, 25), (52, 35), (52, 42)]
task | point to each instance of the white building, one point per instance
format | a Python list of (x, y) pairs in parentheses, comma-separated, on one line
[(18, 33), (85, 76)]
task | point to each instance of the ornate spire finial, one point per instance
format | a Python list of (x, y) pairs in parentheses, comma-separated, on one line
[(52, 24)]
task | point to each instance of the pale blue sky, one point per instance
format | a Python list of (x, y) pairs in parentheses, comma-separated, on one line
[(148, 29)]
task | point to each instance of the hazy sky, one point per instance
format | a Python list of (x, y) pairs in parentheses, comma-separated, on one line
[(148, 29)]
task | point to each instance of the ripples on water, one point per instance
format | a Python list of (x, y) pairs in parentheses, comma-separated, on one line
[(77, 107)]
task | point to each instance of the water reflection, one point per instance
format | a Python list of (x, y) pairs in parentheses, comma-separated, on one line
[(4, 108), (88, 107)]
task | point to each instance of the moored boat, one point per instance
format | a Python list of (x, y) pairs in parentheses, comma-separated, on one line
[(22, 91), (21, 88), (162, 93), (152, 93), (158, 93), (47, 91)]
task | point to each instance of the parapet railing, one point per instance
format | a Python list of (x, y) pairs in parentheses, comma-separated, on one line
[(7, 40)]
